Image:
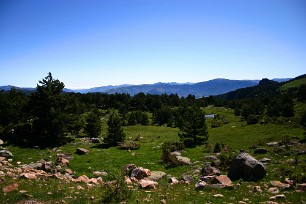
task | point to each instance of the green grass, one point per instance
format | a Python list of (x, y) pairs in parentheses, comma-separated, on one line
[(295, 83), (235, 134)]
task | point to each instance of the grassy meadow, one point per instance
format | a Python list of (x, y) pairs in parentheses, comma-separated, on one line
[(235, 134)]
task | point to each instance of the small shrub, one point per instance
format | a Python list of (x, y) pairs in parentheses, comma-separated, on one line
[(208, 148), (129, 145), (117, 191), (169, 159), (216, 123), (226, 158), (252, 119), (217, 148)]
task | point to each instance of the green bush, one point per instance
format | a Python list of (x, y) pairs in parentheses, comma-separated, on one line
[(167, 158), (129, 145), (116, 191)]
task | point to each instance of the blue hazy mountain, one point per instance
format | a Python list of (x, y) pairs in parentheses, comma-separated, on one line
[(205, 88)]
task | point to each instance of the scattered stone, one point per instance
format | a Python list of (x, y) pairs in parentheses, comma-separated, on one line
[(95, 140), (62, 161), (1, 142), (83, 179), (23, 191), (10, 188), (99, 173), (69, 171), (207, 178), (301, 186), (2, 159), (223, 180), (200, 185), (273, 190), (140, 173), (157, 175), (208, 170), (80, 187), (82, 151), (277, 197), (288, 181), (163, 201), (242, 202), (246, 167), (272, 144), (265, 160), (173, 180), (128, 180), (65, 155), (269, 202), (176, 153), (211, 157), (218, 196), (257, 189), (47, 166), (129, 168), (148, 184), (6, 154), (260, 151), (183, 160), (279, 184), (187, 179), (28, 176)]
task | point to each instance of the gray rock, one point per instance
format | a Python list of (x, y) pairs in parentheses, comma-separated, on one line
[(176, 153), (272, 144), (208, 170), (183, 160), (140, 173), (211, 157), (246, 167), (129, 168), (6, 154), (260, 151), (82, 151), (95, 140), (200, 185), (265, 160), (187, 179), (156, 175), (1, 142)]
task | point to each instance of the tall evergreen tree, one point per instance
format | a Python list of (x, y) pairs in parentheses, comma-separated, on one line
[(93, 126), (48, 110), (193, 130), (115, 134)]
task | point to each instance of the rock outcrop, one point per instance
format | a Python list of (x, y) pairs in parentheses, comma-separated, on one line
[(246, 167)]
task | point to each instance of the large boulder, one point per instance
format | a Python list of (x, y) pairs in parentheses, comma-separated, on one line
[(6, 153), (246, 167)]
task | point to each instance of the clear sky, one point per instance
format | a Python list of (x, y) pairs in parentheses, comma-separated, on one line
[(90, 43)]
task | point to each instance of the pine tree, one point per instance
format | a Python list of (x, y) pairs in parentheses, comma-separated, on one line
[(48, 108), (93, 125), (193, 130), (115, 134)]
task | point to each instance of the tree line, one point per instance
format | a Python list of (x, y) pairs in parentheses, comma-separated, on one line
[(51, 117)]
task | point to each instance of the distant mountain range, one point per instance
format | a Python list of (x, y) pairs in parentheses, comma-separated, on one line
[(206, 88)]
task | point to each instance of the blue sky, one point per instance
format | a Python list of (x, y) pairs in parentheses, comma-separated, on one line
[(90, 43)]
